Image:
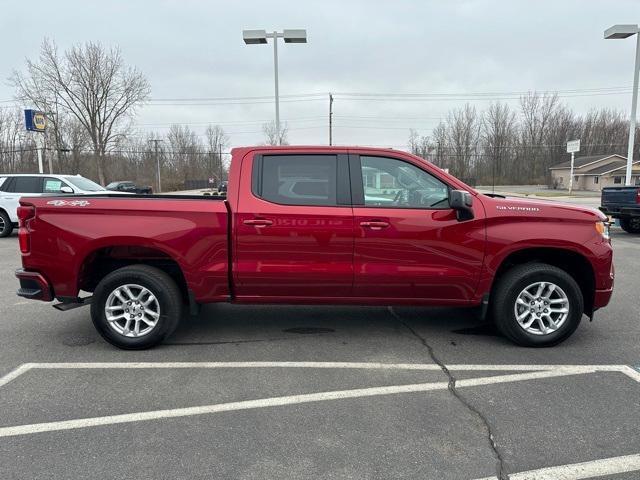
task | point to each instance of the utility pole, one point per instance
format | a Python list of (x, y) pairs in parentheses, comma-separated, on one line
[(330, 119), (220, 160), (155, 141)]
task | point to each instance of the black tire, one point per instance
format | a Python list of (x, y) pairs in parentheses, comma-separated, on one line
[(6, 227), (159, 284), (509, 287), (630, 225)]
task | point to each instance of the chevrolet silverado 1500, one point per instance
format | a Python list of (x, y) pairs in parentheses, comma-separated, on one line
[(318, 225)]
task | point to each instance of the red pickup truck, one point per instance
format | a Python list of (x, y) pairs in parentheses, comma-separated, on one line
[(318, 225)]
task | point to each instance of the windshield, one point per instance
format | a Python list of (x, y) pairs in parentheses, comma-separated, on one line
[(84, 184)]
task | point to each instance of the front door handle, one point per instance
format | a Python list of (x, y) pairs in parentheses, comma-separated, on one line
[(258, 222), (375, 225)]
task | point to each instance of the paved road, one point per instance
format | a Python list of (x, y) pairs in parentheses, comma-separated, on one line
[(277, 420)]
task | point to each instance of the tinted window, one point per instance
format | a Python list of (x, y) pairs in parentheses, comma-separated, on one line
[(27, 185), (2, 179), (298, 179), (389, 182), (53, 185)]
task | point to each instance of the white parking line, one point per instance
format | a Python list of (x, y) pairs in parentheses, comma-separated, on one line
[(25, 367), (578, 471), (277, 401), (625, 369)]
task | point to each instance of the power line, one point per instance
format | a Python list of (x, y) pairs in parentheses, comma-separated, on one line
[(216, 99), (468, 98), (239, 122)]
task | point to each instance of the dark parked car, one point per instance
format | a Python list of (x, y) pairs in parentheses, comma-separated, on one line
[(128, 187)]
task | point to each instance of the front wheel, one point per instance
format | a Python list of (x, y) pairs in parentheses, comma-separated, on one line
[(630, 225), (537, 305), (136, 307)]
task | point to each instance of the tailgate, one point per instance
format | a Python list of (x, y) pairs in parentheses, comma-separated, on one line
[(620, 196)]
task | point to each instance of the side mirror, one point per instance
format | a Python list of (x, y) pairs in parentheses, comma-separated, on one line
[(66, 189), (462, 202)]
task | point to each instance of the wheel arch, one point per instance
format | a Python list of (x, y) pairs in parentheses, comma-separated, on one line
[(572, 262), (106, 259)]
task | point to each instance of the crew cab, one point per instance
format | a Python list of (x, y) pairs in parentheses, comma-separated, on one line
[(318, 225), (13, 186), (622, 203)]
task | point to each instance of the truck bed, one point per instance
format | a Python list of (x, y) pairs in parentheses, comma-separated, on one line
[(70, 232)]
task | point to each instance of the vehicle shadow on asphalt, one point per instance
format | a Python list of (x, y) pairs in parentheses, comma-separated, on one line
[(223, 323)]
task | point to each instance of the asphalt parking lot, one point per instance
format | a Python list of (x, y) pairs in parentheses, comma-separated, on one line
[(314, 392)]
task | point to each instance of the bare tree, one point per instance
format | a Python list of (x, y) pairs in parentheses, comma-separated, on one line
[(439, 136), (272, 136), (89, 82), (419, 144), (463, 135), (72, 141), (499, 136), (217, 141), (537, 111), (186, 153)]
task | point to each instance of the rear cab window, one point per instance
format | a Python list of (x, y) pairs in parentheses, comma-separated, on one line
[(314, 180)]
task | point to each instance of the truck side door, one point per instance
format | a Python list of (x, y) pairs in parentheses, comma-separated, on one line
[(408, 242), (294, 227)]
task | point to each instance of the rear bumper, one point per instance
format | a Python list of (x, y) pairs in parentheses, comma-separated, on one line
[(33, 286), (620, 211)]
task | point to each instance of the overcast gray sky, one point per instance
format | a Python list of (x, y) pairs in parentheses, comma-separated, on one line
[(194, 49)]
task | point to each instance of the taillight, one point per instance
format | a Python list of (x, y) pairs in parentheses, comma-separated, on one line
[(638, 195), (25, 213)]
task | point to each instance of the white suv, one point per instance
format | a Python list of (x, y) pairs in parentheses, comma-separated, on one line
[(14, 186)]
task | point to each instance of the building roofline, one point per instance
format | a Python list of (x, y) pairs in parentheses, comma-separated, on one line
[(590, 163)]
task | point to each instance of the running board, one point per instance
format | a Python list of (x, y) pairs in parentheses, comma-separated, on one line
[(70, 305)]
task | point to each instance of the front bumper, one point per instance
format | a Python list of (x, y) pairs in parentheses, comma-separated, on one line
[(602, 298), (33, 286)]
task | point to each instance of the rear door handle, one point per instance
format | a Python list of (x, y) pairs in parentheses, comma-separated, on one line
[(258, 222), (375, 225)]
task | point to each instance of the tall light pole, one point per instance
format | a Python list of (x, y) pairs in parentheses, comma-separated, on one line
[(155, 142), (624, 31), (256, 37)]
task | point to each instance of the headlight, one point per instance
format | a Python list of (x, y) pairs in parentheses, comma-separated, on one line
[(603, 229)]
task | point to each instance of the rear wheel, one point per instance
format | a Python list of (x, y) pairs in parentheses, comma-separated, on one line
[(136, 307), (537, 305), (630, 225), (6, 227)]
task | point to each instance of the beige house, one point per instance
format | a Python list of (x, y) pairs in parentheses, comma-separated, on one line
[(594, 172)]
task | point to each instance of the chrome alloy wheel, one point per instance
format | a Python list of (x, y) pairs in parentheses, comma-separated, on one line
[(541, 308), (2, 224), (132, 310)]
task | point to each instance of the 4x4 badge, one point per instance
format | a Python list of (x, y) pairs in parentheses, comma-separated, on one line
[(69, 203)]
